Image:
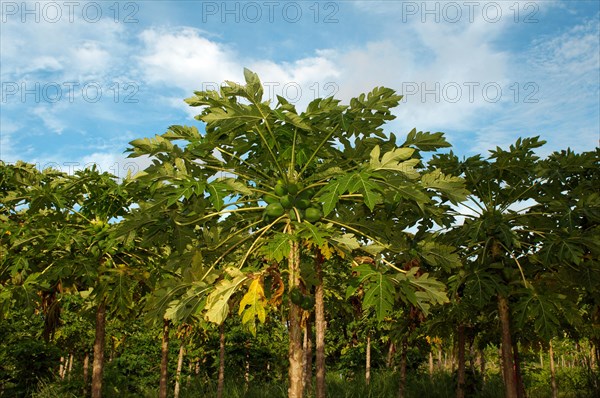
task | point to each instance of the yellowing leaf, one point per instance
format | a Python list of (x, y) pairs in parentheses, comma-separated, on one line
[(217, 306), (375, 157), (255, 301), (347, 241), (327, 251)]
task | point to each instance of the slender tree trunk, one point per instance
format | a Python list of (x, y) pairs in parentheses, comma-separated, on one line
[(295, 352), (179, 366), (552, 371), (368, 361), (517, 359), (453, 358), (61, 368), (71, 357), (320, 327), (247, 369), (445, 360), (541, 359), (98, 364), (482, 362), (308, 353), (189, 376), (164, 361), (510, 383), (221, 379), (440, 362), (390, 357), (403, 354), (472, 354), (430, 364), (596, 350), (460, 385), (86, 369)]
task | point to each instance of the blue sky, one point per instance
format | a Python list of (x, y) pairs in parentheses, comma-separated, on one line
[(79, 80)]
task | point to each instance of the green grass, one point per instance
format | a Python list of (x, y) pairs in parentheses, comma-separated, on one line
[(573, 383)]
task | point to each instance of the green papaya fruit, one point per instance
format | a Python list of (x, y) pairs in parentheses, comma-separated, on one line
[(270, 199), (293, 188), (274, 210), (302, 203), (287, 201), (313, 214), (280, 189)]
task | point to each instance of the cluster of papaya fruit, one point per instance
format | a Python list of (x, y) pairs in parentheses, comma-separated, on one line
[(294, 198)]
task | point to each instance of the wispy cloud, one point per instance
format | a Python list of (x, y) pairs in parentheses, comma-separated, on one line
[(448, 71)]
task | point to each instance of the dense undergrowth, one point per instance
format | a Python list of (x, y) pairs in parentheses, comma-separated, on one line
[(573, 382)]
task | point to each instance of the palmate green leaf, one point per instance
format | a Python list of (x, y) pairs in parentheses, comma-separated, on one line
[(439, 255), (253, 85), (422, 291), (181, 169), (186, 189), (380, 99), (252, 90), (277, 248), (239, 119), (150, 146), (326, 173), (253, 305), (346, 242), (374, 249), (176, 132), (561, 250), (193, 301), (370, 191), (405, 191), (544, 309), (236, 186), (330, 194), (294, 120), (426, 141), (217, 192), (118, 288), (397, 159), (311, 233), (190, 304), (452, 187), (482, 286), (217, 302), (162, 300), (378, 288)]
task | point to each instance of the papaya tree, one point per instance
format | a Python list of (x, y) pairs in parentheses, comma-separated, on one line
[(502, 239), (64, 242), (270, 183), (564, 288)]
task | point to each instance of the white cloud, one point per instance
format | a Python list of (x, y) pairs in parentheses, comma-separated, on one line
[(90, 57), (7, 150), (564, 90), (50, 119), (184, 59), (187, 60), (114, 163), (172, 62)]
